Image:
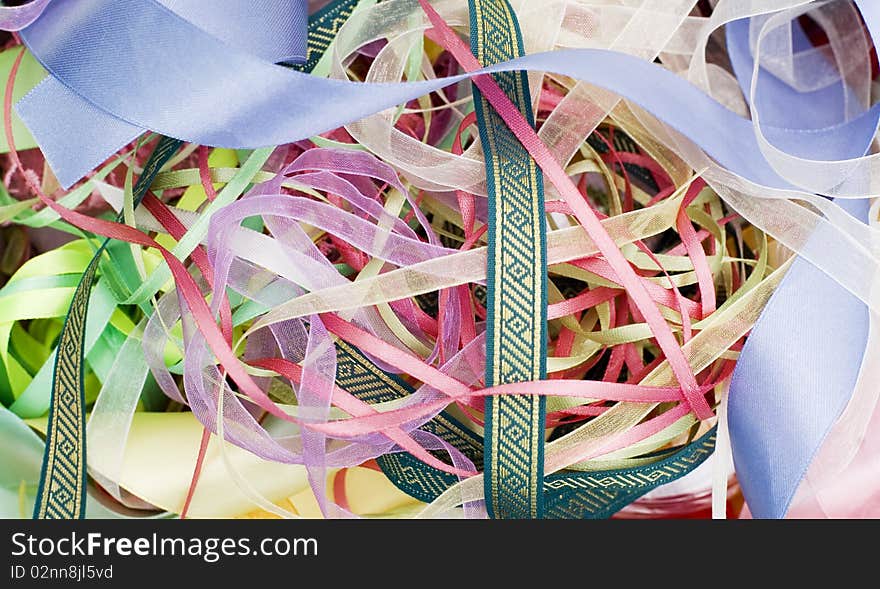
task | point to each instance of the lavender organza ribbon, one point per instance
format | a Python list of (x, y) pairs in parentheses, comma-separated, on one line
[(15, 18), (273, 31), (304, 341)]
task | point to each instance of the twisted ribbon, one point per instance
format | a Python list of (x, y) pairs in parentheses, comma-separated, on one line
[(87, 49)]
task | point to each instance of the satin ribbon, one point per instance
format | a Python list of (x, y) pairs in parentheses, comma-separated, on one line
[(86, 48), (799, 365), (270, 30)]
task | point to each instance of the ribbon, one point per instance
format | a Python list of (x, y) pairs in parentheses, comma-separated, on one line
[(15, 18), (62, 489), (74, 39), (61, 37), (516, 280), (798, 368)]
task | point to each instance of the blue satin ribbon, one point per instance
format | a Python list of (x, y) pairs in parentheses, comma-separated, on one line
[(113, 61), (798, 368), (118, 55), (274, 31)]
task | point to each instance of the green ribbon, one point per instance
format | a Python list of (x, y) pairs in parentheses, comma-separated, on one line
[(323, 27), (567, 495), (61, 494), (516, 326), (601, 494), (361, 377)]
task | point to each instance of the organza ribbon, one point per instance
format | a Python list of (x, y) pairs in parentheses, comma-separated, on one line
[(62, 482), (798, 368), (15, 18), (62, 489)]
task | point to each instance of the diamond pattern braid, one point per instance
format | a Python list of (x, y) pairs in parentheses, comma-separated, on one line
[(324, 25), (61, 494), (362, 378), (516, 280)]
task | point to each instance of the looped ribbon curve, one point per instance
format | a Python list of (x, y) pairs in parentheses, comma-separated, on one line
[(270, 30)]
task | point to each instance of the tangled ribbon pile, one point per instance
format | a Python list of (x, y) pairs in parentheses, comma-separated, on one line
[(395, 273)]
